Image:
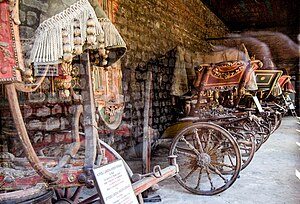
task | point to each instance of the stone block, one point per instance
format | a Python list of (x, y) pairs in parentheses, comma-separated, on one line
[(52, 124), (22, 16), (121, 146), (68, 137), (57, 109), (64, 123), (32, 18), (35, 125), (69, 109), (27, 111), (37, 4), (42, 112), (26, 32), (47, 138), (59, 137)]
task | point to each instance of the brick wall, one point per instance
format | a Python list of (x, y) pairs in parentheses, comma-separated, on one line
[(152, 29)]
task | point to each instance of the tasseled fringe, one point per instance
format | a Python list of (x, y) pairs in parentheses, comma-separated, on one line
[(112, 37), (48, 45)]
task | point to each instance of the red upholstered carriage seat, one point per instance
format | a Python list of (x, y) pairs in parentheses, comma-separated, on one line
[(224, 74)]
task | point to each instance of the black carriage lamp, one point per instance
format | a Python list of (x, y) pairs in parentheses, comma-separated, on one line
[(72, 26)]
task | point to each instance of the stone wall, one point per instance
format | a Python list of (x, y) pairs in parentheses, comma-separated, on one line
[(152, 29)]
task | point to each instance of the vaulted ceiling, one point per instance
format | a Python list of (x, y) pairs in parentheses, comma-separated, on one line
[(272, 15), (256, 22)]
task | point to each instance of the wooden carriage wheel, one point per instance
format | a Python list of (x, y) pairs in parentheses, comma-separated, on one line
[(246, 142), (241, 132), (36, 195), (265, 129), (208, 157), (256, 130)]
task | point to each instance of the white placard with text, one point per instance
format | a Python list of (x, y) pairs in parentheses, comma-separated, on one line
[(114, 184)]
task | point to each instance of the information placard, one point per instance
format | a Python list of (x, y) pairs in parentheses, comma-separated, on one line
[(113, 184), (40, 69)]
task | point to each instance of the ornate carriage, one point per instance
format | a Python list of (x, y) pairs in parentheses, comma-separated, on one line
[(50, 108), (220, 131), (71, 80)]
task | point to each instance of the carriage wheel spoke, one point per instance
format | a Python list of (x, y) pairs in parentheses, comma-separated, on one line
[(218, 172), (190, 146), (67, 193), (58, 193), (208, 141), (222, 165), (199, 178), (216, 147), (229, 157), (209, 178), (198, 140), (185, 152), (190, 173), (76, 194)]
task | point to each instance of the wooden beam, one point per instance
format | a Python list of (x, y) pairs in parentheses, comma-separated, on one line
[(89, 113), (147, 131)]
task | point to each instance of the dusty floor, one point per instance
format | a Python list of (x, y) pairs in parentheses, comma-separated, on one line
[(269, 178)]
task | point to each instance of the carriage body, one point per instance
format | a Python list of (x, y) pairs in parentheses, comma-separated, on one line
[(52, 104), (268, 83)]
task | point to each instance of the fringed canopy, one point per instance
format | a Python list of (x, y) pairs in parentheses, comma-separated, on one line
[(71, 29)]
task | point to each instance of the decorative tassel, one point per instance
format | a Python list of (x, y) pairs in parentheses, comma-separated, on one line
[(114, 44), (112, 37), (49, 44)]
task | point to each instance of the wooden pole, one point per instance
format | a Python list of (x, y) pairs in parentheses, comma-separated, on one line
[(23, 135), (147, 131), (89, 117)]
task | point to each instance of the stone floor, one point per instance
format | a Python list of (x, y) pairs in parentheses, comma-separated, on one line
[(269, 178)]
